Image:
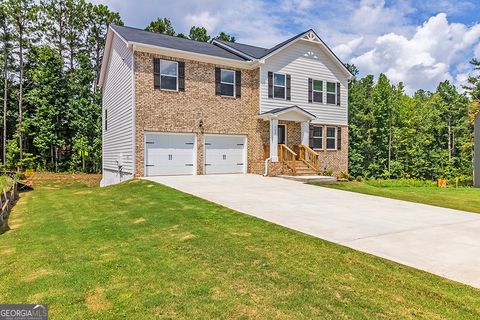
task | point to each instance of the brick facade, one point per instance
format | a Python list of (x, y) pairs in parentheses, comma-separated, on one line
[(171, 111)]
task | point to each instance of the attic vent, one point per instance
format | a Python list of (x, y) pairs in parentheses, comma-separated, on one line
[(311, 37)]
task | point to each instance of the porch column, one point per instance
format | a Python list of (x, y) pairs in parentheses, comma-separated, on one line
[(274, 140), (305, 125)]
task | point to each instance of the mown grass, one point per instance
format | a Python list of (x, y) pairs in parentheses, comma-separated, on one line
[(461, 198), (140, 250)]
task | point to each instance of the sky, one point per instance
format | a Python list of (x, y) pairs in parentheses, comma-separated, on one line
[(419, 43)]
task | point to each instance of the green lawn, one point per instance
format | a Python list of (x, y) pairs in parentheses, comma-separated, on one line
[(140, 251), (461, 198)]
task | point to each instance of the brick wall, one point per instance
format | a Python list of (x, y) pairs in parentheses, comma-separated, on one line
[(171, 111)]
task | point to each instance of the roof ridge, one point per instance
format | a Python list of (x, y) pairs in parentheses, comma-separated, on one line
[(162, 34)]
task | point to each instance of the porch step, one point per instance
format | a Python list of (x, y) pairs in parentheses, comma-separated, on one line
[(310, 178), (304, 170)]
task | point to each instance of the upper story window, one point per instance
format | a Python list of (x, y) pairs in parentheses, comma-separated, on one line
[(168, 71), (279, 86), (317, 91), (331, 138), (227, 82), (331, 93), (317, 137)]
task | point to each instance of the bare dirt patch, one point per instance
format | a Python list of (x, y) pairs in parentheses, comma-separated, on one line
[(97, 301), (7, 251), (37, 275), (139, 220)]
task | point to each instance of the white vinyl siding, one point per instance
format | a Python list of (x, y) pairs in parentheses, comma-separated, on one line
[(117, 104), (304, 60)]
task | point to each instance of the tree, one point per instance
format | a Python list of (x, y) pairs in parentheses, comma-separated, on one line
[(44, 74), (99, 18), (22, 17), (473, 89), (199, 34), (161, 26), (5, 38), (225, 37)]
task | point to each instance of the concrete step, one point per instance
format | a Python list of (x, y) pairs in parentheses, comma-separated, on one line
[(310, 178)]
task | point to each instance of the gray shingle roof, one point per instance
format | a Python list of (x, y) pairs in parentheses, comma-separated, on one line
[(252, 51), (258, 52), (280, 110), (171, 42)]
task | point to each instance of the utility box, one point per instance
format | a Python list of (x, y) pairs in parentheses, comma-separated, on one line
[(476, 152)]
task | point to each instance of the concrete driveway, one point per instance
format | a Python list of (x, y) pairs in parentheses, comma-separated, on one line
[(441, 241)]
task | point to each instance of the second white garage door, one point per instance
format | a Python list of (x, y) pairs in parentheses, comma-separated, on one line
[(225, 154), (169, 154)]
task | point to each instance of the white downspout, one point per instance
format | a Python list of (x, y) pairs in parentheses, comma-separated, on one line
[(266, 167)]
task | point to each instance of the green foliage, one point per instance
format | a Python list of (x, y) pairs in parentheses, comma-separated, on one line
[(199, 34), (161, 26), (225, 37), (394, 136), (62, 45)]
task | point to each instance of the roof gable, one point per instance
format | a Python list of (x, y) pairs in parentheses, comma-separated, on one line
[(262, 53)]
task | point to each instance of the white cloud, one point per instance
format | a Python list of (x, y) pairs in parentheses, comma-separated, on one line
[(203, 19), (477, 51), (424, 59), (345, 50)]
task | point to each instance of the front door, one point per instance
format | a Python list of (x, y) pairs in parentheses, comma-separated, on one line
[(282, 134)]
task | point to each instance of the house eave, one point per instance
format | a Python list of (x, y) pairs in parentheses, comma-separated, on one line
[(250, 64)]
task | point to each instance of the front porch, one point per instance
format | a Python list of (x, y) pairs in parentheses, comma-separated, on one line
[(288, 148)]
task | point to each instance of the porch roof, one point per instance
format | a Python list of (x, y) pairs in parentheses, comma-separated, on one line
[(292, 113)]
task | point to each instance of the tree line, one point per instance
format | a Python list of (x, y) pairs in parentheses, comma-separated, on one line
[(428, 135), (51, 53)]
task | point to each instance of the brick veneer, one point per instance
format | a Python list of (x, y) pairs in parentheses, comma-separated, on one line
[(172, 111)]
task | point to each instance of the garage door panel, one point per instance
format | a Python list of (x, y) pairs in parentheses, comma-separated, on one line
[(169, 154), (224, 154)]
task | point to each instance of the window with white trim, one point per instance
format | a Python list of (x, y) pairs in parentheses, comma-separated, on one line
[(168, 75), (331, 93), (317, 91), (227, 82), (279, 86), (317, 137), (331, 138)]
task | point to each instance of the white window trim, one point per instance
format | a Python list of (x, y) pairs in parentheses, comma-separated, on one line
[(327, 138), (326, 92), (284, 86), (234, 80), (317, 137), (167, 75), (322, 92)]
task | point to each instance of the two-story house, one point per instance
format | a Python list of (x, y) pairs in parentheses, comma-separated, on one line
[(174, 106)]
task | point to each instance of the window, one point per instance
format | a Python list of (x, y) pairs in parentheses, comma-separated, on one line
[(331, 138), (317, 92), (317, 138), (331, 92), (227, 82), (279, 86), (105, 119), (168, 75)]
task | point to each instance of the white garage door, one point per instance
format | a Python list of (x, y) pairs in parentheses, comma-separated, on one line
[(169, 154), (224, 154)]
